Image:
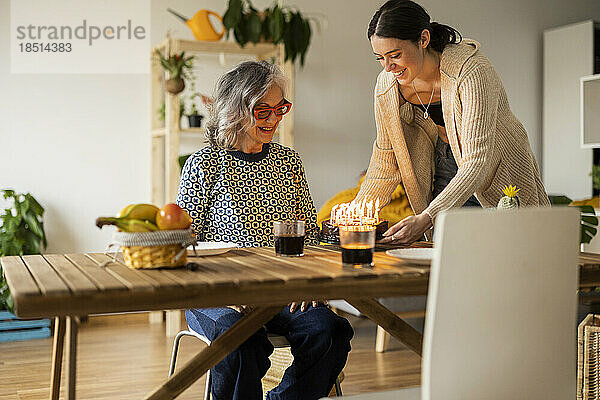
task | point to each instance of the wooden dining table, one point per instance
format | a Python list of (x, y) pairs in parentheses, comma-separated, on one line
[(69, 286)]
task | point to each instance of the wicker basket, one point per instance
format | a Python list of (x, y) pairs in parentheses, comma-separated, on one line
[(160, 249), (588, 358), (145, 257)]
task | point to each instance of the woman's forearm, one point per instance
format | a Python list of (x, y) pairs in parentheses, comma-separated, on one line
[(382, 177)]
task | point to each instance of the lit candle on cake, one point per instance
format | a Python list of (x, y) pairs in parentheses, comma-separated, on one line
[(357, 214)]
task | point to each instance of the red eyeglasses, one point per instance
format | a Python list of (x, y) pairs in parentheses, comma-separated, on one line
[(264, 112)]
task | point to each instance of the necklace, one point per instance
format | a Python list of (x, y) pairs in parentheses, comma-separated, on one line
[(425, 113)]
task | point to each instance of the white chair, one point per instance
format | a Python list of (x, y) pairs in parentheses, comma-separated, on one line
[(501, 309), (276, 340)]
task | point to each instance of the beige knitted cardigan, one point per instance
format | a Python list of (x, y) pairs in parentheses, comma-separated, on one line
[(489, 144)]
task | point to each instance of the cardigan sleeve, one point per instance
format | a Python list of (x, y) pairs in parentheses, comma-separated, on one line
[(383, 174), (305, 207), (191, 195), (479, 93)]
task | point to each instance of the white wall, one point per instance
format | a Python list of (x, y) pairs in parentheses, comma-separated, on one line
[(80, 143)]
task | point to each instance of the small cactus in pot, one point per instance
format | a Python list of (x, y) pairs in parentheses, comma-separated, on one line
[(510, 199)]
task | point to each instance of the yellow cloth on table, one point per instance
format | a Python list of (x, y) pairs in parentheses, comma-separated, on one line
[(394, 212)]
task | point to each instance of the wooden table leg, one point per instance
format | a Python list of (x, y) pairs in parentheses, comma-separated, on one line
[(155, 317), (172, 322), (218, 350), (389, 321), (57, 354), (71, 347), (382, 340)]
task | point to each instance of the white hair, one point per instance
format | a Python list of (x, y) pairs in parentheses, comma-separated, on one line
[(236, 94)]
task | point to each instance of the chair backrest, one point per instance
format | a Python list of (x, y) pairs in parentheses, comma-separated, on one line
[(501, 311)]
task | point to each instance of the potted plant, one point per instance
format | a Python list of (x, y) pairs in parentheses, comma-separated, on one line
[(194, 117), (21, 233), (178, 66), (275, 24), (589, 221)]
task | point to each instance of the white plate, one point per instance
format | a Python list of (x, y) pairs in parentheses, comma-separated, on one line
[(213, 248), (415, 256)]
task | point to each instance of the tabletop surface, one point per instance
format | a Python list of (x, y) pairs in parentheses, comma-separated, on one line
[(76, 284)]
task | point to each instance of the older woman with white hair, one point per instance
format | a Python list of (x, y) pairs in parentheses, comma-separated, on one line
[(234, 189)]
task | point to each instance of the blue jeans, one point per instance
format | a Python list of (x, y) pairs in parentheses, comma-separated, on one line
[(320, 342)]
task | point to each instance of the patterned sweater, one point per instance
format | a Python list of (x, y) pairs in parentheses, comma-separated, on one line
[(489, 143), (235, 197)]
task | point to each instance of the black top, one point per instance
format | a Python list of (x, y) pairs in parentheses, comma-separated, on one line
[(240, 155), (434, 110)]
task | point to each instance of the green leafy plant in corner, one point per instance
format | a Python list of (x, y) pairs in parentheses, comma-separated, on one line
[(595, 174), (6, 300), (21, 233), (275, 24), (589, 221)]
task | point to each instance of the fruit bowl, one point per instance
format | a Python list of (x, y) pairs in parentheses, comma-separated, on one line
[(151, 237), (158, 249)]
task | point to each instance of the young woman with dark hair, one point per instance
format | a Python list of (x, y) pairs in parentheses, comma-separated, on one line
[(444, 125)]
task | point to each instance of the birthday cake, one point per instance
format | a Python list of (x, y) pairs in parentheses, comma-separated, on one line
[(364, 213), (330, 233)]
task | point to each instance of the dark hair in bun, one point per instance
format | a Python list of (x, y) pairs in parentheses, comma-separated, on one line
[(405, 20)]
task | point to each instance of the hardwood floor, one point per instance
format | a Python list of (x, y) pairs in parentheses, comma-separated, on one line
[(125, 357)]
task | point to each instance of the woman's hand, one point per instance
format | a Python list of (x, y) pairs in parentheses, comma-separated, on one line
[(242, 309), (304, 305), (407, 231)]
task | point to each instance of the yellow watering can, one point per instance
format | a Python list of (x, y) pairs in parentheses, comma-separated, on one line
[(200, 25)]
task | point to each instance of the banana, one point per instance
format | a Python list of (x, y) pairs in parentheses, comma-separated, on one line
[(139, 211), (127, 224)]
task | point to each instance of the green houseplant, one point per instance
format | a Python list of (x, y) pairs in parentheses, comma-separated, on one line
[(178, 66), (589, 221), (274, 24), (192, 112), (194, 117), (21, 232)]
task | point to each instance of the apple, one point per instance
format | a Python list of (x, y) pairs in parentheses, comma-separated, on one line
[(171, 216)]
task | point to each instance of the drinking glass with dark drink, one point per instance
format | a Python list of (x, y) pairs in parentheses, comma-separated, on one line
[(289, 238), (358, 243)]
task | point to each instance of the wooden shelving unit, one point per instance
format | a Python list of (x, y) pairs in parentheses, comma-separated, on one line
[(166, 134)]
